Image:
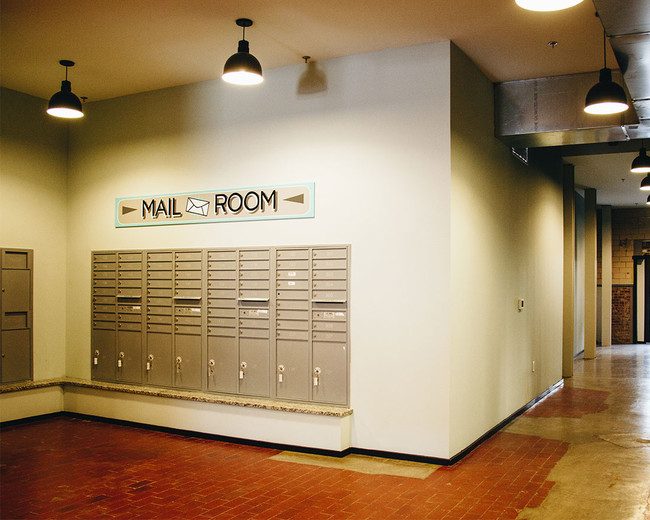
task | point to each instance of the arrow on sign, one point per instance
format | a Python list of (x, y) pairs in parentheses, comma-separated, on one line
[(300, 199), (126, 209)]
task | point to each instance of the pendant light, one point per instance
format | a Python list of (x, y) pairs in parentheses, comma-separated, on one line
[(641, 164), (547, 5), (645, 183), (243, 68), (606, 97), (648, 200), (64, 103)]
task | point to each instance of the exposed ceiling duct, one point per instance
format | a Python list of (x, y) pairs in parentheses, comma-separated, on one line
[(548, 111)]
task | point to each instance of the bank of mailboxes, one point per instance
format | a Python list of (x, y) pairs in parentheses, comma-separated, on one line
[(267, 322)]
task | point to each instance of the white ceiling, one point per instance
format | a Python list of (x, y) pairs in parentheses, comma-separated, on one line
[(610, 175), (126, 46)]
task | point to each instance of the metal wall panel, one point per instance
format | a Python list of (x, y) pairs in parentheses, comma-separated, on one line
[(16, 318)]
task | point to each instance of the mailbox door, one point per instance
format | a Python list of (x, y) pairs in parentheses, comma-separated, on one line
[(292, 371), (332, 382), (222, 376)]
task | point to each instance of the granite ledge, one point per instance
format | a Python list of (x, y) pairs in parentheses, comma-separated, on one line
[(204, 397)]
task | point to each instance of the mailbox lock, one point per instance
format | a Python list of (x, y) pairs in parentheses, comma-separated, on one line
[(280, 373), (242, 369), (120, 360), (317, 372), (149, 361), (211, 364), (179, 360), (96, 358)]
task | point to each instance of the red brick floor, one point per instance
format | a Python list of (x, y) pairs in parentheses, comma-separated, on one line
[(571, 402), (66, 467)]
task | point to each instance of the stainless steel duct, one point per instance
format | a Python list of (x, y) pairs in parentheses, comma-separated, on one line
[(549, 111)]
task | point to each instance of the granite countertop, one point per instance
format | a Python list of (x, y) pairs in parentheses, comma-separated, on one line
[(204, 397)]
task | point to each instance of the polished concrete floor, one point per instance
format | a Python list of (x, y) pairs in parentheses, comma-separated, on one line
[(605, 473), (581, 453)]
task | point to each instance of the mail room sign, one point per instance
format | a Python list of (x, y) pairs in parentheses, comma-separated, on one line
[(269, 202)]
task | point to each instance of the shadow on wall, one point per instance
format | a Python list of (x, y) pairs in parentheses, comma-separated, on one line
[(312, 80)]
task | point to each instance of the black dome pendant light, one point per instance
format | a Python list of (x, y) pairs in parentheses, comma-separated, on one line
[(243, 68), (64, 103), (645, 183), (641, 164), (606, 97)]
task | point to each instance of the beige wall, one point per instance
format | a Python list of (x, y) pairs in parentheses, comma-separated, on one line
[(400, 168), (33, 162), (507, 242), (376, 144)]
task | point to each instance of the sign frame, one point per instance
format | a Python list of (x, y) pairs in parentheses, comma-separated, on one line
[(202, 206)]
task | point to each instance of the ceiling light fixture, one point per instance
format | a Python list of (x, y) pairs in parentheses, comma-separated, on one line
[(606, 96), (641, 164), (242, 68), (645, 183), (64, 103), (547, 5)]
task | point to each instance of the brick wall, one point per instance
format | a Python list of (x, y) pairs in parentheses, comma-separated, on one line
[(622, 314), (628, 225)]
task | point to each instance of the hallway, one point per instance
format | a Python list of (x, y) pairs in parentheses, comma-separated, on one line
[(581, 453)]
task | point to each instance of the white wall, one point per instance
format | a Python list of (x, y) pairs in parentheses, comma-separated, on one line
[(506, 228), (376, 144), (33, 163), (446, 228)]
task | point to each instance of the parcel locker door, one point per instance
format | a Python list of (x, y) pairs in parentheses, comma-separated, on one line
[(292, 371), (16, 290), (129, 356), (222, 364), (187, 361), (104, 362), (158, 364), (329, 372), (254, 366), (16, 355)]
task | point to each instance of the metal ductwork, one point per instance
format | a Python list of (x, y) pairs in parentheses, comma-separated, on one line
[(549, 111)]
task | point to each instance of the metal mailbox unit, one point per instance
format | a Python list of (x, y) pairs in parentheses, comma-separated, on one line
[(293, 359), (266, 322), (104, 315), (16, 308), (330, 324), (188, 313), (128, 365), (159, 318)]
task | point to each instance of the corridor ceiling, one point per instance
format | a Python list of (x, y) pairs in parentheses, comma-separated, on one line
[(127, 46)]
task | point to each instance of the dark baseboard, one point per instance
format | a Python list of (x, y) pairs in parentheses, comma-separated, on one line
[(25, 420), (300, 449), (505, 422)]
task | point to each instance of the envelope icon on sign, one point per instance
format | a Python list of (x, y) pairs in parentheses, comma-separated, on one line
[(197, 206)]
